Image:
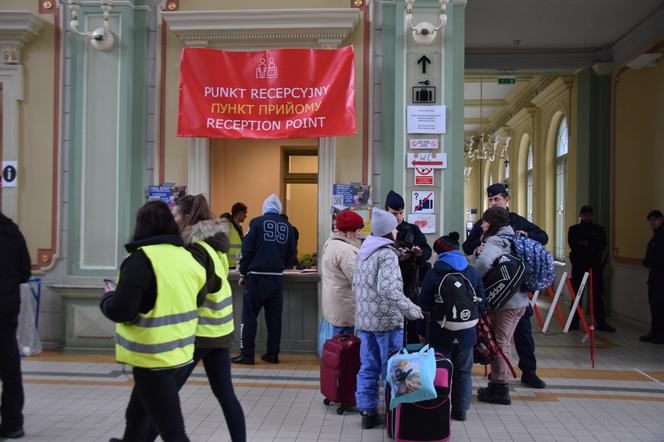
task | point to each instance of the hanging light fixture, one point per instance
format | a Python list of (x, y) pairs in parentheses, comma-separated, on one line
[(101, 38), (485, 146)]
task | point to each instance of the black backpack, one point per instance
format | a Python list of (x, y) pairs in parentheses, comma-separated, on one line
[(504, 279), (455, 303)]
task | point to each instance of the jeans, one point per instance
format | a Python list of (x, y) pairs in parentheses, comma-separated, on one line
[(155, 394), (12, 399), (342, 330), (525, 343), (504, 323), (217, 363), (375, 350), (462, 381)]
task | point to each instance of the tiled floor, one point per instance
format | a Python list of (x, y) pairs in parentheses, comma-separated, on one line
[(82, 398)]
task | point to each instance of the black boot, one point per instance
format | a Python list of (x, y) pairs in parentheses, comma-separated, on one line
[(271, 358), (243, 359), (369, 420), (495, 394)]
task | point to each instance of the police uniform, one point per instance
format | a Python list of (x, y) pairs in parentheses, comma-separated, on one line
[(654, 261)]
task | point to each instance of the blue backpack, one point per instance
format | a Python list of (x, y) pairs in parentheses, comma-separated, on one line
[(539, 261)]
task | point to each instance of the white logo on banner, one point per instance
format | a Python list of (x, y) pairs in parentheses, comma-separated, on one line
[(268, 70)]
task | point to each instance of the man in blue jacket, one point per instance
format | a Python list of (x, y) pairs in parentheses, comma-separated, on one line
[(523, 335), (455, 345), (267, 249)]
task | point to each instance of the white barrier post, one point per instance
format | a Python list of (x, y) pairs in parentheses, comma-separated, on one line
[(534, 300), (554, 303), (577, 300)]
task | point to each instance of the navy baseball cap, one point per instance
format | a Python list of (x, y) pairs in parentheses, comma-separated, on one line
[(497, 189), (654, 214)]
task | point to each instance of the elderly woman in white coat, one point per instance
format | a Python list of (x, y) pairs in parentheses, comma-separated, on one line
[(337, 267), (496, 234)]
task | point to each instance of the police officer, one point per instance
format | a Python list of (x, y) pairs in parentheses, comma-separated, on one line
[(236, 217), (587, 243), (267, 249), (654, 261), (523, 335), (14, 270), (415, 252)]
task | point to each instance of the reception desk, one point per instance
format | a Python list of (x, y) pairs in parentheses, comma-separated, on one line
[(85, 329)]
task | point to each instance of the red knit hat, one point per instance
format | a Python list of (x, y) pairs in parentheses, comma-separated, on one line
[(349, 221)]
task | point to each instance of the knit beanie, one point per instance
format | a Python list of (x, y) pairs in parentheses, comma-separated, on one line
[(349, 221), (497, 217), (447, 243), (394, 201), (382, 222), (272, 204)]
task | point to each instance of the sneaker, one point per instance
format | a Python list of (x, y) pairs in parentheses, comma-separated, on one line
[(369, 420), (243, 359), (605, 327), (531, 380), (646, 338), (15, 434), (458, 415), (271, 358)]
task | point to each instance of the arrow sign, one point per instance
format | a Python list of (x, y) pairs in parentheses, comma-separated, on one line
[(427, 159), (424, 60)]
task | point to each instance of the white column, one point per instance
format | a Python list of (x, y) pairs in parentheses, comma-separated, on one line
[(327, 154), (198, 177)]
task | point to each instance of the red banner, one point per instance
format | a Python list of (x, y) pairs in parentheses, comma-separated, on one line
[(281, 93)]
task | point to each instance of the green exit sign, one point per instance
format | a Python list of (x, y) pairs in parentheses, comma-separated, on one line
[(506, 80)]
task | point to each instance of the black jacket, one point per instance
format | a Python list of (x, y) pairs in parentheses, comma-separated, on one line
[(14, 268), (654, 259), (137, 288), (587, 242), (517, 222), (268, 246)]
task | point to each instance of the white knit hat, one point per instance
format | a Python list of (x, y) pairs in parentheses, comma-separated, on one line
[(382, 222)]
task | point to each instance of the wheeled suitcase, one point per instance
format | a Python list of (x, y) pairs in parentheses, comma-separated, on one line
[(338, 371), (425, 420)]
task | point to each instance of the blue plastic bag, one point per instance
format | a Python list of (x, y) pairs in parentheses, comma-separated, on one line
[(324, 333), (411, 376)]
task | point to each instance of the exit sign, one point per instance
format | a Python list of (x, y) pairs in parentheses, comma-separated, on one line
[(506, 80)]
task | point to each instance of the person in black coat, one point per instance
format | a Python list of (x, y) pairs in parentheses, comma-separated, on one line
[(14, 270), (523, 335), (587, 243), (654, 261)]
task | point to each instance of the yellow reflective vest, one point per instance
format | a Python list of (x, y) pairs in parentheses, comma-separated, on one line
[(164, 337), (215, 316), (236, 247)]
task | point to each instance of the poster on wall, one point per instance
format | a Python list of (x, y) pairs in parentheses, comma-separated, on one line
[(9, 174), (276, 93), (422, 201), (425, 221), (424, 176), (167, 192), (356, 197)]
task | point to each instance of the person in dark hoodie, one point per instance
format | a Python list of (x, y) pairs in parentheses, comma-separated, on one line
[(456, 345), (267, 249), (155, 303), (14, 270)]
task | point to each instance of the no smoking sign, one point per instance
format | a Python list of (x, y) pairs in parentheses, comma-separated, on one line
[(424, 176)]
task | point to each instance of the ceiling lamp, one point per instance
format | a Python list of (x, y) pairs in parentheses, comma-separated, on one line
[(485, 146)]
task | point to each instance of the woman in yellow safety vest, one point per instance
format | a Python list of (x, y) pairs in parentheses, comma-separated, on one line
[(155, 307), (207, 239)]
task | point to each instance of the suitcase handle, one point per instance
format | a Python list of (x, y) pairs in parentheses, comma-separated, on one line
[(430, 408)]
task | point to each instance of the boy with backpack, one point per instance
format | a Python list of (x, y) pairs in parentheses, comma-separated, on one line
[(453, 294)]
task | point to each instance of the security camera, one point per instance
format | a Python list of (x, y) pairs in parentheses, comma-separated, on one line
[(424, 33)]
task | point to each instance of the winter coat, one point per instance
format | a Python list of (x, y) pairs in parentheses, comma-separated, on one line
[(337, 265), (14, 269), (215, 233), (269, 246), (587, 242), (654, 259), (494, 247), (517, 222), (380, 302), (438, 336)]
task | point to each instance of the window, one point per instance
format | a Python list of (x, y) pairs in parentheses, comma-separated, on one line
[(562, 141), (529, 184)]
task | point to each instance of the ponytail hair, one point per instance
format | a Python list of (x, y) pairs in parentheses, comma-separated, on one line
[(194, 209)]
